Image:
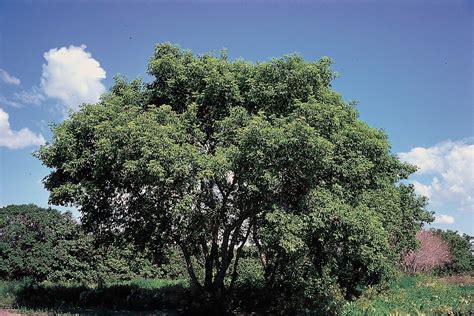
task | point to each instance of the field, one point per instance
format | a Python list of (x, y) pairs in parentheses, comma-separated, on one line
[(409, 295)]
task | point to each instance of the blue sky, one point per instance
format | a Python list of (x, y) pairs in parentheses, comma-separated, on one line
[(408, 64)]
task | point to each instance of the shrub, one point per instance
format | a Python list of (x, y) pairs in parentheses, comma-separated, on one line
[(136, 294), (38, 243)]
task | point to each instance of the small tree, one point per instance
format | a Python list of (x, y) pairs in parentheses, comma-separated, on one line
[(433, 252), (462, 260)]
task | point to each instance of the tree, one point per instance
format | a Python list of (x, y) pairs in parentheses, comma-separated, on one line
[(46, 245), (214, 154), (433, 252), (39, 243), (462, 260)]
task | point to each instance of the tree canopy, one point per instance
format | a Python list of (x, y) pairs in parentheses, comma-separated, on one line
[(214, 154), (43, 244), (462, 260)]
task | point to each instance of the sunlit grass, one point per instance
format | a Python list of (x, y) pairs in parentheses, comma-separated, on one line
[(421, 295), (415, 295)]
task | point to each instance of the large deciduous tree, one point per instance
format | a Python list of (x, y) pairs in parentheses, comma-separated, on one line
[(215, 154)]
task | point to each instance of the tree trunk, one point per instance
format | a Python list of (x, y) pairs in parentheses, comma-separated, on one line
[(195, 285)]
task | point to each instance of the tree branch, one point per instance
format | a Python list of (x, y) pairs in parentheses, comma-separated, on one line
[(238, 255), (261, 252)]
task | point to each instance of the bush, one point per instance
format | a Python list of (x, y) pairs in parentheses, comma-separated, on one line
[(10, 289), (173, 265), (37, 243)]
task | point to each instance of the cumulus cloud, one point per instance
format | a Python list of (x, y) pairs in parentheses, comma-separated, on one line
[(422, 189), (443, 219), (72, 76), (9, 79), (449, 168), (17, 139)]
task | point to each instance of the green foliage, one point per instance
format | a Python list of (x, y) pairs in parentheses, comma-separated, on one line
[(173, 265), (136, 294), (46, 245), (328, 253), (213, 154), (406, 295), (122, 261), (415, 295), (10, 289), (39, 243), (156, 283), (250, 270), (462, 261)]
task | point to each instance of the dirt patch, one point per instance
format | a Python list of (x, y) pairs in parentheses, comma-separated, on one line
[(5, 312)]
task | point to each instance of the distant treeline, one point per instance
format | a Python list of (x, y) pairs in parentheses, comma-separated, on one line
[(46, 245)]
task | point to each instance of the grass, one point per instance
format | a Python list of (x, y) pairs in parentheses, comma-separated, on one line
[(153, 283), (421, 295), (134, 295), (418, 295), (9, 291)]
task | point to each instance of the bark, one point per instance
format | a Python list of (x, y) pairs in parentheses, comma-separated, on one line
[(237, 257), (210, 265), (261, 252), (189, 266), (227, 252)]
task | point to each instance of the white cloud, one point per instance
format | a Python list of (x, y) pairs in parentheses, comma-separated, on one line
[(9, 102), (443, 219), (450, 168), (34, 97), (17, 139), (72, 76), (7, 78), (20, 99), (422, 189)]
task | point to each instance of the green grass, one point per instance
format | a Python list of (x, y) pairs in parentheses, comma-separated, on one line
[(134, 295), (409, 295), (415, 296), (9, 291), (154, 283)]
